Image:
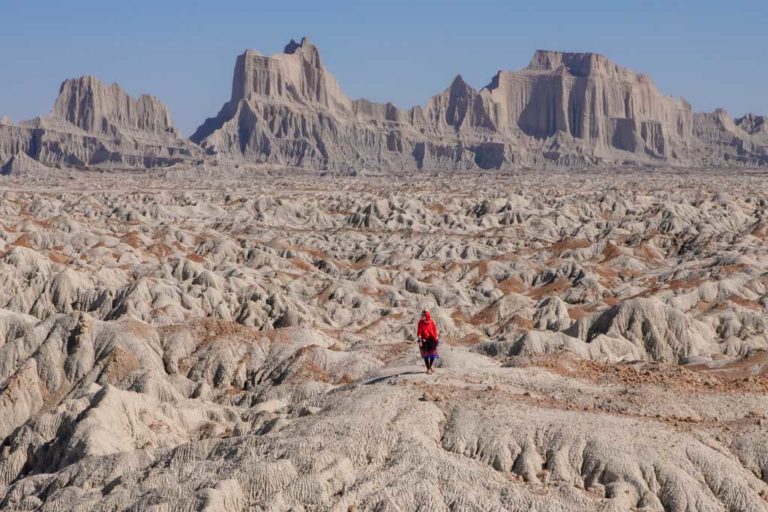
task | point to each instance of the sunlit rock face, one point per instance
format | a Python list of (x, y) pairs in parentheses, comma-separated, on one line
[(94, 125), (570, 109), (563, 110)]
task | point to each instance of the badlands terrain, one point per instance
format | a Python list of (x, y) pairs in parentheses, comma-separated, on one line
[(174, 341)]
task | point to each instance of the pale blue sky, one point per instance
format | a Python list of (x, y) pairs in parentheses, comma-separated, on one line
[(714, 53)]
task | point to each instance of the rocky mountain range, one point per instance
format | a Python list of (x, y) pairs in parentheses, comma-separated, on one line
[(94, 125), (563, 109)]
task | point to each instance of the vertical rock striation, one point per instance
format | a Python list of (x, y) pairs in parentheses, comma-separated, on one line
[(584, 97), (107, 110), (563, 109), (94, 125)]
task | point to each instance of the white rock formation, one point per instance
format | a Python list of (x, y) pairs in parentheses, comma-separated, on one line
[(98, 126), (563, 109), (21, 164), (106, 110)]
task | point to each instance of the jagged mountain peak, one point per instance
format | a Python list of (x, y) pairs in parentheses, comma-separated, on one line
[(580, 64), (306, 50), (297, 74), (293, 46), (595, 110), (96, 125), (303, 48), (21, 163), (752, 123), (460, 88), (459, 82), (94, 106), (564, 108)]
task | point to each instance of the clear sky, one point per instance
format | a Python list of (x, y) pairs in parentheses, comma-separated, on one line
[(712, 52)]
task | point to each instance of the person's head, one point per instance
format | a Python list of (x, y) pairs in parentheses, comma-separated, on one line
[(425, 315)]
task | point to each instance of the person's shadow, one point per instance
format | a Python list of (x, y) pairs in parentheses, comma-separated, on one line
[(376, 380)]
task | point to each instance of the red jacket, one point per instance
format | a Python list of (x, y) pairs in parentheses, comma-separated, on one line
[(427, 328)]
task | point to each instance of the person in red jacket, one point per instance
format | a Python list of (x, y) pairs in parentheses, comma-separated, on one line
[(426, 335)]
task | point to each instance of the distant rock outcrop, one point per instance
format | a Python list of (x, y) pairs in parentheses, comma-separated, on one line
[(107, 110), (756, 126), (94, 125), (21, 164), (583, 98), (563, 109)]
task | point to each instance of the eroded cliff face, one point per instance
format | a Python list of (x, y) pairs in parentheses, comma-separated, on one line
[(563, 109), (289, 109), (107, 109), (585, 97), (753, 124), (94, 125)]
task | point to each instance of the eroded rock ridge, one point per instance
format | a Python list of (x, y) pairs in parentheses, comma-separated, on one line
[(563, 109)]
